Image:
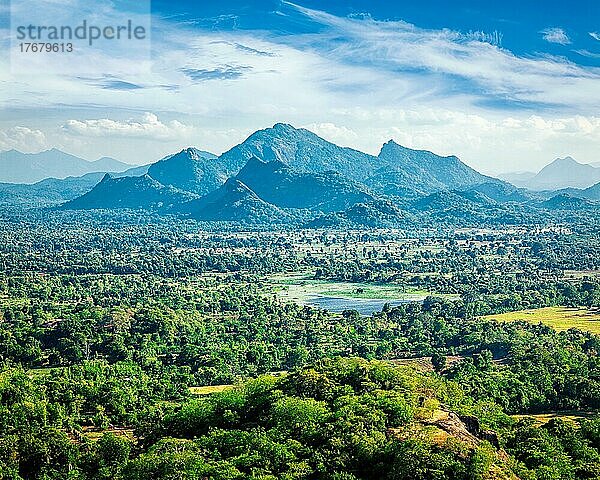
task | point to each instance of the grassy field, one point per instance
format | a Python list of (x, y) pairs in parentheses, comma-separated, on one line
[(208, 389), (424, 363), (573, 416), (559, 318), (300, 286)]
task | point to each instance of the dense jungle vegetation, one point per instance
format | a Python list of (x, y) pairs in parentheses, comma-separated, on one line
[(136, 349)]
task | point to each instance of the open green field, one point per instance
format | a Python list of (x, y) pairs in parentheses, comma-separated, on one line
[(572, 416), (559, 318), (207, 390), (300, 286)]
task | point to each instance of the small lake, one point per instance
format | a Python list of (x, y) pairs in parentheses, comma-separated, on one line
[(364, 306)]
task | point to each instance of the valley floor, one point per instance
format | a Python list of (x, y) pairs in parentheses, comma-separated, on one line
[(559, 318)]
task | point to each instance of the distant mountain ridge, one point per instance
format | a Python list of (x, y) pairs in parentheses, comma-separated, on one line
[(283, 186), (233, 201), (191, 169), (560, 174), (129, 192), (287, 175), (283, 172), (403, 169), (519, 179), (50, 191), (563, 173), (18, 167)]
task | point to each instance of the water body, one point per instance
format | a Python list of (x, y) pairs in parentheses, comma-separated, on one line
[(364, 306)]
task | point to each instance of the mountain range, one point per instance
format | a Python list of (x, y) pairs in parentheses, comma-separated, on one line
[(17, 167), (285, 174), (191, 169), (561, 173), (55, 191), (280, 172), (142, 192), (233, 201)]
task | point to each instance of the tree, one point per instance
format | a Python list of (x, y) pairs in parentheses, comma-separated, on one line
[(439, 361)]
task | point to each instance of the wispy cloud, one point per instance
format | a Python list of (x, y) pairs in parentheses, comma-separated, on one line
[(587, 53), (227, 72), (493, 38), (595, 35), (246, 48), (109, 82), (119, 85), (438, 58), (556, 35), (356, 80)]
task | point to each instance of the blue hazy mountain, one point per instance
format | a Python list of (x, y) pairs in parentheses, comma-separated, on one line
[(17, 167), (191, 169), (279, 184), (375, 214), (233, 201), (502, 192), (300, 149), (129, 192), (561, 174), (564, 201), (403, 171), (285, 174), (51, 191), (54, 191), (396, 170), (172, 180)]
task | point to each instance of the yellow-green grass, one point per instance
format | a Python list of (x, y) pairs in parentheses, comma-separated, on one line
[(36, 372), (559, 318), (424, 363), (571, 416), (7, 301), (94, 434), (207, 390)]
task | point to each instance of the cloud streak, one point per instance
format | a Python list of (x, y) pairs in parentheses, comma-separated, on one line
[(226, 72), (397, 47), (556, 35), (353, 79)]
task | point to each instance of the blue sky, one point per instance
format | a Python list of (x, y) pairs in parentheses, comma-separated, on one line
[(519, 22), (505, 85)]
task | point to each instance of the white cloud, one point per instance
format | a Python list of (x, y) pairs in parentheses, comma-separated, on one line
[(340, 135), (24, 139), (595, 35), (494, 144), (149, 127), (358, 82), (556, 35), (431, 61), (586, 53)]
